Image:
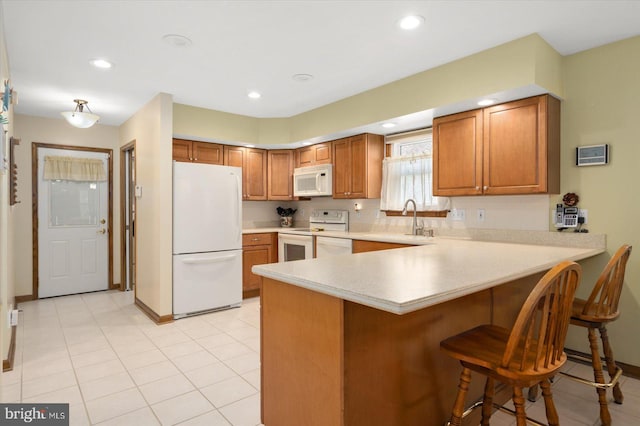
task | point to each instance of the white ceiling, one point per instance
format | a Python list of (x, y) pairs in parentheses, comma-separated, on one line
[(238, 46)]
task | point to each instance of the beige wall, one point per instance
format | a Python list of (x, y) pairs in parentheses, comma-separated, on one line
[(7, 215), (520, 63), (55, 131), (151, 129), (602, 93)]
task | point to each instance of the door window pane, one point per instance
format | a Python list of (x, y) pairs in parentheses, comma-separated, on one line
[(73, 203)]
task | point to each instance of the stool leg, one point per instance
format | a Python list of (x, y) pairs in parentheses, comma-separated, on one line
[(463, 387), (549, 406), (532, 395), (605, 417), (611, 363), (518, 402), (487, 402)]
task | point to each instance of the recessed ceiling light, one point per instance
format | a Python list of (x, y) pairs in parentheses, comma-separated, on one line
[(177, 40), (487, 102), (411, 22), (101, 63), (388, 125), (254, 95), (302, 78)]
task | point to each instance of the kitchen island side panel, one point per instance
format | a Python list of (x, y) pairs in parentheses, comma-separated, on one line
[(395, 373), (301, 356), (326, 361)]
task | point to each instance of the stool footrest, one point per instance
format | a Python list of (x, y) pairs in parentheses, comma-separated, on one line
[(609, 385), (502, 408)]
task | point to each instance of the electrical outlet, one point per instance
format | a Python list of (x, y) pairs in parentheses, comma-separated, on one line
[(480, 215), (457, 214)]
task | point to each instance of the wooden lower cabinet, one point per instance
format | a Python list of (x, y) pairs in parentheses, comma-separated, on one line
[(257, 249), (362, 246), (329, 361)]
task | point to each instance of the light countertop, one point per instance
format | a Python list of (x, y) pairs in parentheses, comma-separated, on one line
[(408, 279)]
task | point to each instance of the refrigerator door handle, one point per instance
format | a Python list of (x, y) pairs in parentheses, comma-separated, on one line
[(195, 261), (237, 206)]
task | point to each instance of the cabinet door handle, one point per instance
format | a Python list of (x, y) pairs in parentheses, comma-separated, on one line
[(477, 188), (485, 187), (255, 239)]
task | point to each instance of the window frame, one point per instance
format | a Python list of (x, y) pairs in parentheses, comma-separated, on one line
[(406, 137)]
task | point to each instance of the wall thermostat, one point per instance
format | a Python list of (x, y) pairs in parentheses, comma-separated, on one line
[(592, 155)]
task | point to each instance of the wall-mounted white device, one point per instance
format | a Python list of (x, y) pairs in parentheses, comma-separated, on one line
[(592, 155)]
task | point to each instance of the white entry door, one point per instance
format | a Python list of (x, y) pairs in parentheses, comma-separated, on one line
[(73, 239)]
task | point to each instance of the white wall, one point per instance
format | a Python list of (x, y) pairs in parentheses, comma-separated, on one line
[(530, 212)]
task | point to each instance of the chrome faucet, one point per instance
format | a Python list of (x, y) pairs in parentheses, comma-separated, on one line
[(414, 225)]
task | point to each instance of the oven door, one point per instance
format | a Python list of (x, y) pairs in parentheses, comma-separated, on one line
[(294, 247)]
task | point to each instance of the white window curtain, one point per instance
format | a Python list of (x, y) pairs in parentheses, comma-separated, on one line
[(74, 169)]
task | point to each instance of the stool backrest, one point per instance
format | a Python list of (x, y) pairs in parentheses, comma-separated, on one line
[(537, 339), (604, 298)]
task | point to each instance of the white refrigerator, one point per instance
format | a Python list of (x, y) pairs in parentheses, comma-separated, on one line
[(207, 238)]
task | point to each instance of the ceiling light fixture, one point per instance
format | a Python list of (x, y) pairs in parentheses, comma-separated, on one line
[(101, 63), (487, 102), (411, 22), (79, 118), (254, 95)]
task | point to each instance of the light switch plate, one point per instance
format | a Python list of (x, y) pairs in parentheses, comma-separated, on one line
[(457, 214)]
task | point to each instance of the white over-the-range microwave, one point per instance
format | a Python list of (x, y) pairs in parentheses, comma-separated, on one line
[(313, 181)]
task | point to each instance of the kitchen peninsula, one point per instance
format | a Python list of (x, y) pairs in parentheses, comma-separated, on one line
[(354, 339)]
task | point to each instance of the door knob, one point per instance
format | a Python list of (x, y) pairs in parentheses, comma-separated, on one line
[(102, 231), (102, 221)]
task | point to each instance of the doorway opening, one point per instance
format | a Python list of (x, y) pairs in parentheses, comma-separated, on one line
[(128, 216), (72, 219)]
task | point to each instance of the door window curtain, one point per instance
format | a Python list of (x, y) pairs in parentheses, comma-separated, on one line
[(74, 169), (409, 177)]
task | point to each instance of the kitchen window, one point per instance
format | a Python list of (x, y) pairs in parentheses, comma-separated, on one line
[(407, 173)]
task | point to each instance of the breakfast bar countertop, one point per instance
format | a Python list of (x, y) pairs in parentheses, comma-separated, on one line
[(404, 280)]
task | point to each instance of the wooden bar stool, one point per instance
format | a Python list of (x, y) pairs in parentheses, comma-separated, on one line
[(594, 313), (531, 352)]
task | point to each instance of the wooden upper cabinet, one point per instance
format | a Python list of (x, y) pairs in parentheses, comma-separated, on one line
[(457, 154), (182, 150), (314, 154), (254, 170), (521, 147), (280, 174), (197, 152), (210, 153), (511, 148), (357, 166)]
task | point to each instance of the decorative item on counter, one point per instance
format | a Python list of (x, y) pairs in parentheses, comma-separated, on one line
[(286, 216), (570, 199)]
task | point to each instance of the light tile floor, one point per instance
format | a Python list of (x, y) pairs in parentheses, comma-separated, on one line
[(114, 366)]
